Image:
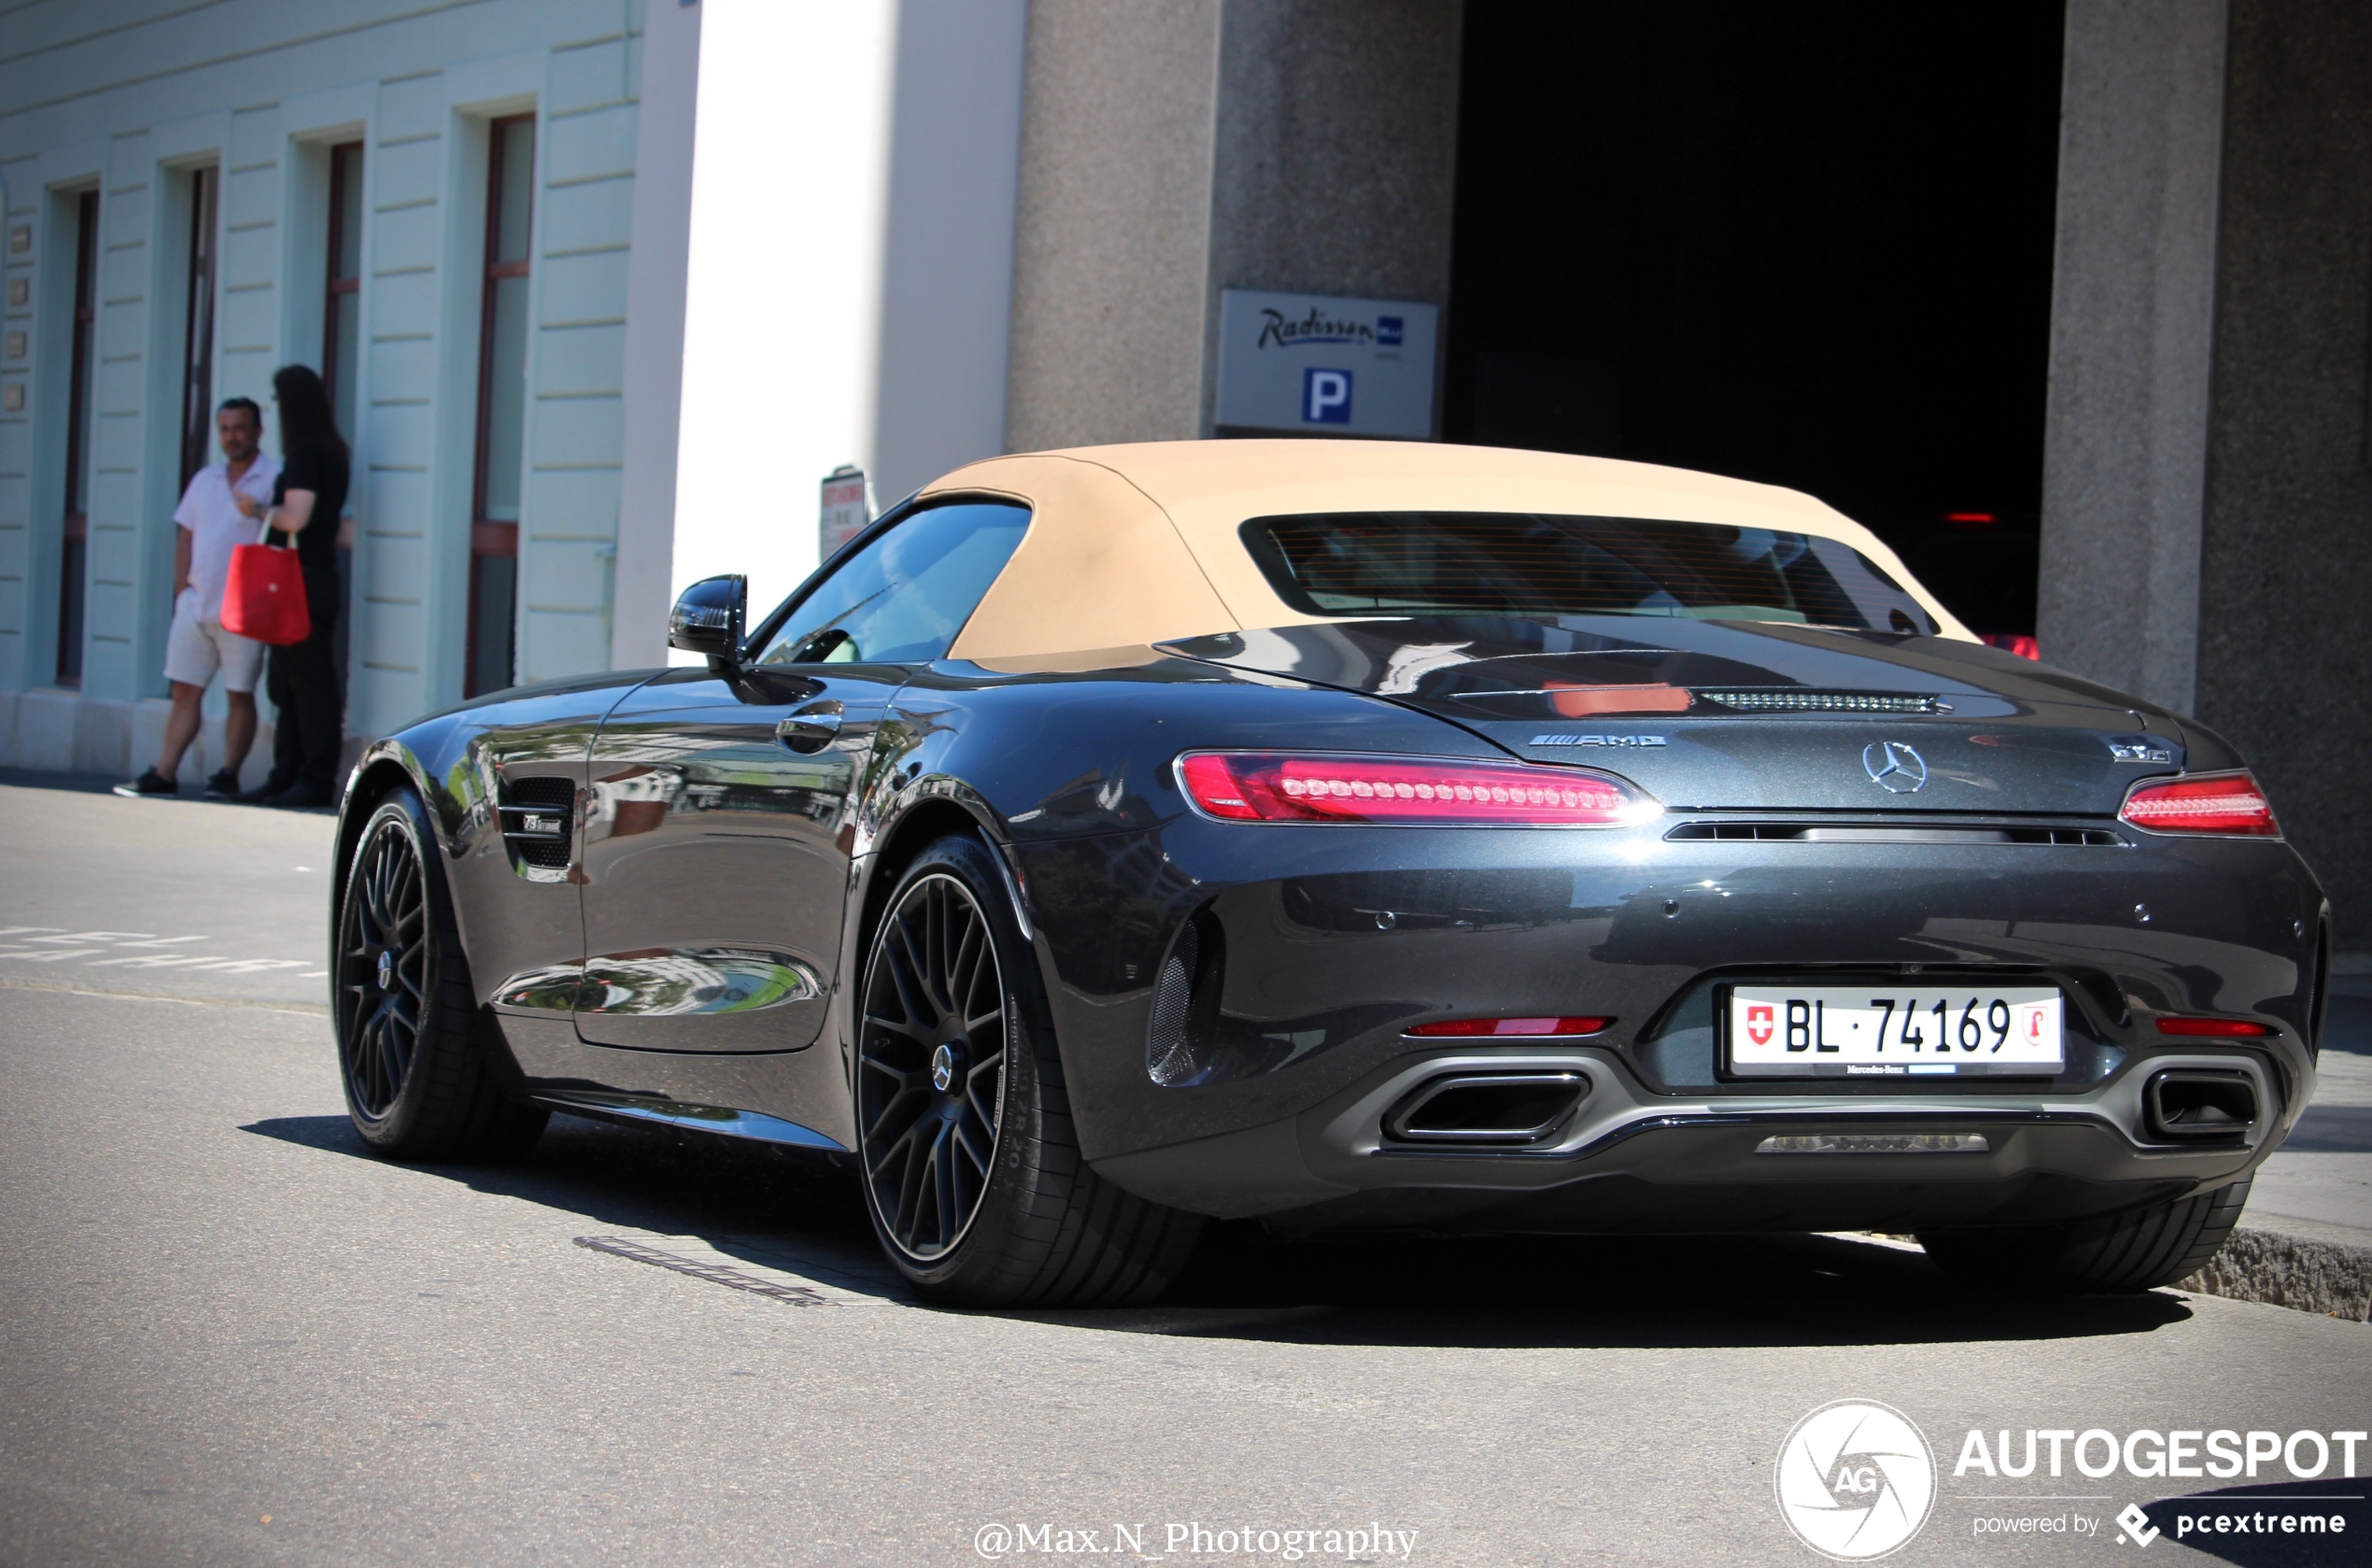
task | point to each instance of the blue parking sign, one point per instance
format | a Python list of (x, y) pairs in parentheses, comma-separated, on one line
[(1325, 396)]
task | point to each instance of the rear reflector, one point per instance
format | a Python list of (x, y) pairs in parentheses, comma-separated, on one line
[(2221, 803), (2213, 1029), (1531, 1027), (1347, 787)]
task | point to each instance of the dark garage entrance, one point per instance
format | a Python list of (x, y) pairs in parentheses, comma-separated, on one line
[(1807, 242)]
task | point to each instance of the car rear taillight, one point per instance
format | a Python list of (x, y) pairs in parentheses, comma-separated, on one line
[(1521, 1029), (1349, 787), (2213, 1029), (2223, 803)]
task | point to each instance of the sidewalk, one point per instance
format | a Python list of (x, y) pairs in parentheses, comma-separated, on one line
[(2305, 1239), (2319, 1186)]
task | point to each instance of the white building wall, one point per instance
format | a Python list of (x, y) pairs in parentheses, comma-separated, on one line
[(844, 215), (127, 96), (852, 262)]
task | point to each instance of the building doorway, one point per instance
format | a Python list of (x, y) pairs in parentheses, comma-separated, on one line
[(1807, 243)]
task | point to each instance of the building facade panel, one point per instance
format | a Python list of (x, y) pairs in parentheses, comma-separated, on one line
[(258, 94)]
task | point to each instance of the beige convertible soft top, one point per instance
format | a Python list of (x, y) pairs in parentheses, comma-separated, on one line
[(1134, 544)]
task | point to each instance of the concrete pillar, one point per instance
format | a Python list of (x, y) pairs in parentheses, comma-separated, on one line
[(1172, 148), (2132, 310), (656, 269), (947, 260), (2285, 564)]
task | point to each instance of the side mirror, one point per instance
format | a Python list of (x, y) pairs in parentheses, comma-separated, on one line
[(706, 619)]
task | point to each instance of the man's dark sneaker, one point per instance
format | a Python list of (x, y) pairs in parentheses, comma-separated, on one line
[(299, 797), (224, 785), (262, 794), (150, 782)]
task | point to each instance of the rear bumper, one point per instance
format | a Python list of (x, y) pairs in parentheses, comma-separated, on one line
[(1629, 1159), (1337, 940)]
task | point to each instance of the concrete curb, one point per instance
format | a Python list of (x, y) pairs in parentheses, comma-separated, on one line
[(2290, 1271)]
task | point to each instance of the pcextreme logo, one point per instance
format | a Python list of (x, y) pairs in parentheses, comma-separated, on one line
[(1855, 1481)]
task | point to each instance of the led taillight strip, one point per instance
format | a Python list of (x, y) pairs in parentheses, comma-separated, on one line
[(2229, 804), (1413, 791)]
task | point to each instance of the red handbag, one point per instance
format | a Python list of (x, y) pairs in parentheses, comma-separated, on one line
[(263, 597)]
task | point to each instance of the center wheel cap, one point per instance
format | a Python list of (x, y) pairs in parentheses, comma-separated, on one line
[(943, 1068), (386, 971)]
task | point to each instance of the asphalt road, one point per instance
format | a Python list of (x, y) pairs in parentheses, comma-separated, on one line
[(228, 1335)]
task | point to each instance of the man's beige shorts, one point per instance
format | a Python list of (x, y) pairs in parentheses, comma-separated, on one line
[(195, 649)]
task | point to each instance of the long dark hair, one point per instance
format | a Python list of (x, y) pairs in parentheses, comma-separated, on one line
[(304, 412)]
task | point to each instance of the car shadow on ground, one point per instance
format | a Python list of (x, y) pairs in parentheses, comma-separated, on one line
[(753, 1201)]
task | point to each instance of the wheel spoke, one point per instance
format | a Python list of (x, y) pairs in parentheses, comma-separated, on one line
[(882, 1122), (897, 1027), (928, 1153), (961, 1137), (943, 1187)]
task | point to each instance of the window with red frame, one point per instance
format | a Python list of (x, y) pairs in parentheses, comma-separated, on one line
[(502, 446), (73, 558), (342, 294)]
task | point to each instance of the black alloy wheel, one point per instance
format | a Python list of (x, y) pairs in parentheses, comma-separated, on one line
[(970, 1163), (383, 954), (931, 1065), (424, 1068)]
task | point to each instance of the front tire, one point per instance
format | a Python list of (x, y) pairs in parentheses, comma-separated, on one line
[(971, 1170), (420, 1080), (2136, 1250)]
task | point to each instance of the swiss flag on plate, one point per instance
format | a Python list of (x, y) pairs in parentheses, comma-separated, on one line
[(1759, 1024)]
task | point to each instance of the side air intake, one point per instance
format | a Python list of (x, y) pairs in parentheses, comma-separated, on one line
[(1186, 992), (539, 817)]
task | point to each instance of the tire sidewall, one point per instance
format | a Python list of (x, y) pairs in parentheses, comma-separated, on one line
[(983, 1249), (401, 813)]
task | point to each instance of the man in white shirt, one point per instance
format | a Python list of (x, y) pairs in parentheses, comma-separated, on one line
[(211, 525)]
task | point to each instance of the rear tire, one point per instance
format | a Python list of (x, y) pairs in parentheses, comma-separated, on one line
[(417, 1059), (971, 1169), (2137, 1251)]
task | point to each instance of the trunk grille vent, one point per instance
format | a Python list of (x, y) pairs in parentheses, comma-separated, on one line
[(1797, 701), (1892, 833), (537, 816)]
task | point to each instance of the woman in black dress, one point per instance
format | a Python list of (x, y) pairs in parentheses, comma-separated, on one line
[(304, 683)]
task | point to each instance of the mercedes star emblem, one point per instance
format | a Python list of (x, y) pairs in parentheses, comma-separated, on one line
[(1894, 767)]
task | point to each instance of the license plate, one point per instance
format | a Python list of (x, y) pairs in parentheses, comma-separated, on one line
[(1863, 1031)]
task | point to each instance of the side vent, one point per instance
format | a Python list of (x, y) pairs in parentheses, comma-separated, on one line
[(1186, 991), (538, 818)]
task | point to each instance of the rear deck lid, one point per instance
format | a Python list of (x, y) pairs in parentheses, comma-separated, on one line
[(1746, 715)]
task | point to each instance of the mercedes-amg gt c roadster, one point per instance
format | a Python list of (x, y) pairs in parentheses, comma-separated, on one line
[(1351, 835)]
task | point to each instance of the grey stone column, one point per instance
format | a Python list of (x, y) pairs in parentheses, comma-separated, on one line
[(2285, 572), (2132, 315), (1171, 149)]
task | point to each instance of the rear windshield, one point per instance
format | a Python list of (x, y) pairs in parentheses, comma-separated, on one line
[(1535, 564)]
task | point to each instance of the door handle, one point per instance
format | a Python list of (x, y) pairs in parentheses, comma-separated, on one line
[(807, 732)]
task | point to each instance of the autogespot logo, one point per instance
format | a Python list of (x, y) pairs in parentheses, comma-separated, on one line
[(1855, 1481)]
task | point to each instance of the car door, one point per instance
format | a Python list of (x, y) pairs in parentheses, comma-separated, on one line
[(719, 831)]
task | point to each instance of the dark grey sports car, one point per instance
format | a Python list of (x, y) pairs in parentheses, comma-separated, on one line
[(1351, 835)]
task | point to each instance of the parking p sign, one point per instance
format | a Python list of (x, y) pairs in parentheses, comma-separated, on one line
[(1319, 363), (1325, 397)]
